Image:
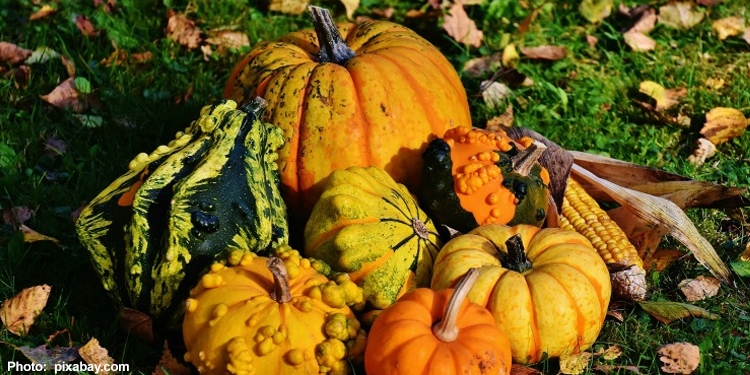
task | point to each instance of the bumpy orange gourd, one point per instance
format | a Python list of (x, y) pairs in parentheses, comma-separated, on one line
[(271, 316), (547, 289), (370, 94), (428, 332)]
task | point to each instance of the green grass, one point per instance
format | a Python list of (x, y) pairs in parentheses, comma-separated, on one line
[(583, 102)]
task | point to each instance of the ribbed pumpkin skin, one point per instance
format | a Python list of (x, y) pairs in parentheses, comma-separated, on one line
[(380, 108), (151, 232), (367, 225), (556, 307)]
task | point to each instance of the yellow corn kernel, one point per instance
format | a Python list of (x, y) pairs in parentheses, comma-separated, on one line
[(581, 213)]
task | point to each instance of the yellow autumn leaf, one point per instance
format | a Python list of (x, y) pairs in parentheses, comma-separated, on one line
[(723, 124), (510, 55), (18, 313), (350, 6), (728, 26), (665, 98), (94, 354), (30, 235), (574, 364)]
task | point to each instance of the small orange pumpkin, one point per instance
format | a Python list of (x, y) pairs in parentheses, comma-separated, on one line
[(429, 332), (548, 289)]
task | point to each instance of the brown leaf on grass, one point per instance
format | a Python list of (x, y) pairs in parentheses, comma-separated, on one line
[(517, 369), (595, 11), (119, 57), (30, 235), (611, 353), (679, 358), (700, 288), (728, 26), (746, 35), (591, 40), (665, 98), (207, 51), (17, 215), (386, 13), (546, 52), (350, 6), (43, 12), (723, 124), (109, 5), (462, 28), (660, 259), (66, 96), (85, 26), (18, 313), (574, 364), (638, 41), (20, 76), (704, 150), (668, 312), (69, 65), (497, 123), (225, 40), (680, 15), (137, 323), (646, 22), (494, 93), (94, 354), (169, 365), (183, 30), (288, 6), (709, 3), (13, 54), (49, 356), (478, 66)]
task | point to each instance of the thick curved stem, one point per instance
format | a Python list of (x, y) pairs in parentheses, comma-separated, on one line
[(332, 46), (516, 260), (446, 330), (527, 158), (280, 292)]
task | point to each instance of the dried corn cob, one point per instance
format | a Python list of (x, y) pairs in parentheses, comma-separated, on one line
[(581, 213)]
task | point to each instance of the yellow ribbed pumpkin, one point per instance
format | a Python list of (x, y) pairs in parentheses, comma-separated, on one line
[(547, 289), (374, 93)]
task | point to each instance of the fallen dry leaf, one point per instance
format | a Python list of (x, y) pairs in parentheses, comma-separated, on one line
[(45, 11), (505, 120), (20, 76), (745, 256), (517, 369), (66, 96), (49, 356), (680, 15), (288, 6), (169, 365), (723, 124), (646, 23), (41, 55), (85, 26), (746, 35), (462, 28), (207, 51), (660, 259), (729, 26), (479, 66), (17, 215), (30, 235), (13, 54), (109, 5), (668, 312), (93, 353), (715, 83), (137, 323), (638, 41), (546, 52), (494, 93), (69, 65), (611, 353), (351, 7), (704, 150), (665, 98), (616, 368), (595, 11), (709, 3), (679, 358), (700, 288), (510, 55), (183, 30), (18, 313), (386, 13), (574, 364), (225, 40), (591, 40)]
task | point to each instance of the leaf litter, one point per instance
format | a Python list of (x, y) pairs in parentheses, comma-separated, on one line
[(19, 313)]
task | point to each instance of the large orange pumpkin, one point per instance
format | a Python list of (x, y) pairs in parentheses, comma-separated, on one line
[(547, 289), (372, 94)]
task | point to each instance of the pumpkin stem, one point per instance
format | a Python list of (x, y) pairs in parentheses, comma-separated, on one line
[(527, 158), (280, 292), (516, 259), (332, 46), (446, 329)]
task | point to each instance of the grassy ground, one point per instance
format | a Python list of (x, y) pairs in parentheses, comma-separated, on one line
[(583, 102)]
